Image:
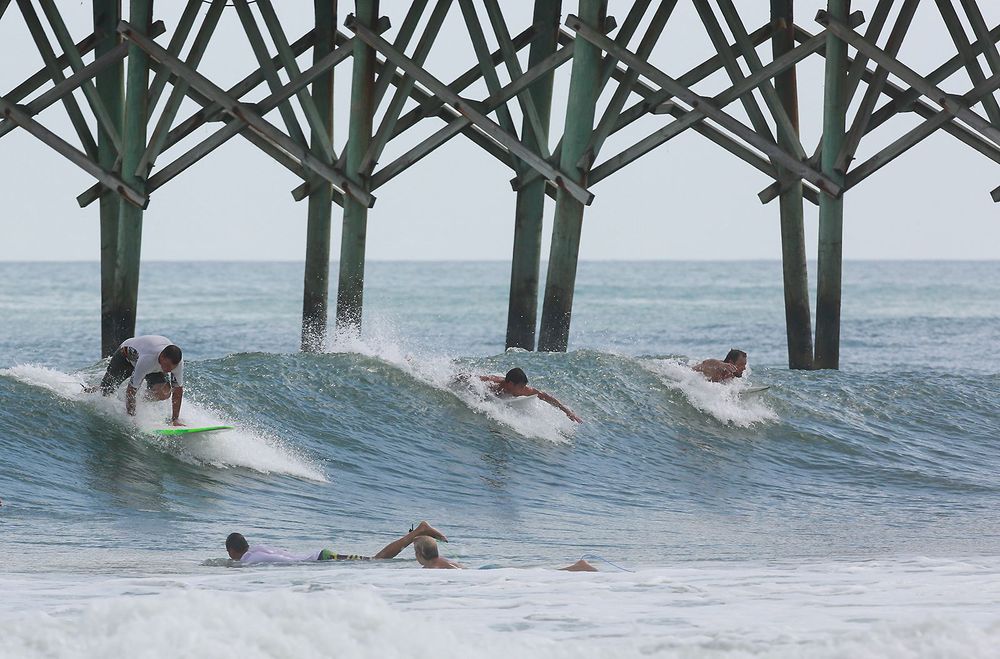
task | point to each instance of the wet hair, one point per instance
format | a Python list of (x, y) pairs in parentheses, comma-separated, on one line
[(516, 376), (173, 353), (237, 543), (734, 356), (426, 548)]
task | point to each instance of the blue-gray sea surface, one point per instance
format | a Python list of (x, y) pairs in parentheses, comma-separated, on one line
[(892, 457)]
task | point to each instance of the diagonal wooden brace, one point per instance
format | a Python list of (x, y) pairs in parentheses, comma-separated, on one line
[(78, 158), (489, 127), (244, 112), (671, 86)]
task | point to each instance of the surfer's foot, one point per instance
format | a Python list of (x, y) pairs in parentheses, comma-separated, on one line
[(423, 528)]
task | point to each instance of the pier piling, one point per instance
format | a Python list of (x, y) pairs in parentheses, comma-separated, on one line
[(350, 288), (522, 310), (829, 263), (127, 262), (316, 287), (564, 253), (798, 322)]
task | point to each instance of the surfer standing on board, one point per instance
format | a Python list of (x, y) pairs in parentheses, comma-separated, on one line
[(719, 371), (515, 383), (154, 359)]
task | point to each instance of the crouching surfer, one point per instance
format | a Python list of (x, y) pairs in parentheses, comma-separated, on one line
[(153, 359)]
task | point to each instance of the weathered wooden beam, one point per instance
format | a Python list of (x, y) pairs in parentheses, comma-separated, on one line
[(489, 71), (55, 72), (829, 263), (243, 112), (525, 263), (785, 128), (207, 113), (875, 86), (402, 93), (794, 269), (457, 125), (692, 117), (238, 125), (110, 85), (76, 64), (316, 277), (184, 25), (528, 110), (177, 94), (732, 66), (671, 86), (317, 120), (921, 108), (626, 85), (11, 112), (910, 77), (385, 73), (919, 133), (354, 228), (67, 85), (972, 66), (270, 70), (489, 127), (432, 104), (134, 131), (567, 225)]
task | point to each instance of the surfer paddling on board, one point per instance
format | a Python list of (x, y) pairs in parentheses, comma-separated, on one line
[(426, 551), (240, 550), (515, 384), (154, 359), (719, 371)]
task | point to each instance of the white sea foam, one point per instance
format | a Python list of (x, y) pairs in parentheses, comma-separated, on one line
[(890, 608), (240, 447), (723, 400)]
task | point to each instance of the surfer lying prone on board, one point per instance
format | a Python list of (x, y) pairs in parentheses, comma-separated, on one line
[(154, 359), (240, 550), (426, 551), (515, 384), (719, 371)]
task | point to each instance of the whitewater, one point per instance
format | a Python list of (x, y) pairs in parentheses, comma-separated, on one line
[(840, 513)]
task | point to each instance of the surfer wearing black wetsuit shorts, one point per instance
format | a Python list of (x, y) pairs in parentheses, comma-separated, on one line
[(153, 359)]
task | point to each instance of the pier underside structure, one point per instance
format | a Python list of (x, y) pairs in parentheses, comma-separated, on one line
[(134, 75)]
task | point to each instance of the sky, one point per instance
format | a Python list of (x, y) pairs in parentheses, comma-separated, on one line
[(687, 200)]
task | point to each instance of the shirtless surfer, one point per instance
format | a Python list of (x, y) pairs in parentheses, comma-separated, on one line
[(719, 371), (240, 550), (515, 383), (154, 359), (426, 551)]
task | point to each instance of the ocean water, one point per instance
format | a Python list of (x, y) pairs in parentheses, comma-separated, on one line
[(847, 513)]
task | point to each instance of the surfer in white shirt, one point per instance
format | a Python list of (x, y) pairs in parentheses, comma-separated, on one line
[(515, 383), (240, 550), (154, 359), (719, 371)]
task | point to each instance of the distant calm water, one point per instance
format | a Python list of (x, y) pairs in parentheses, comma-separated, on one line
[(847, 513)]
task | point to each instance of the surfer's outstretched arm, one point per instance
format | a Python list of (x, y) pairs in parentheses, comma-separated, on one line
[(392, 549), (551, 400), (175, 398)]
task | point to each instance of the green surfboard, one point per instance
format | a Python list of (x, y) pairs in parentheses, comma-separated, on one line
[(178, 430)]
